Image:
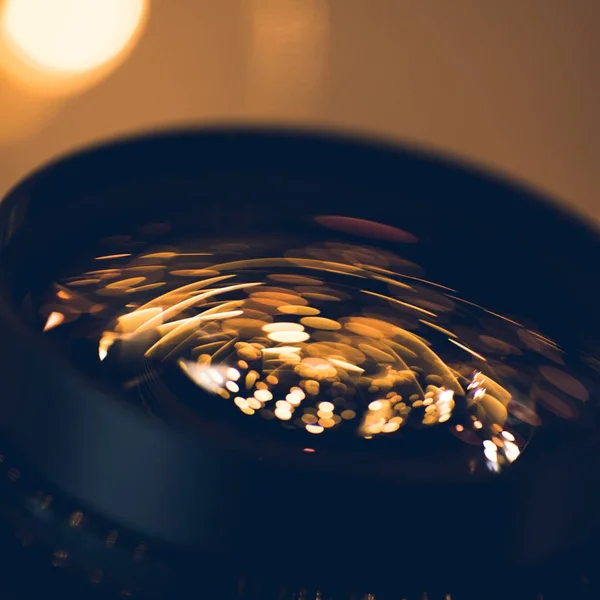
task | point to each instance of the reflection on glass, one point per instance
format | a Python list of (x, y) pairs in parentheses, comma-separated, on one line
[(326, 336)]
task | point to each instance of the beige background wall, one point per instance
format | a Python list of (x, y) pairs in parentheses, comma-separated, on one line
[(513, 84)]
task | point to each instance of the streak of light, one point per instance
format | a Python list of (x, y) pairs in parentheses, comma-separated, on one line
[(392, 282), (377, 269), (420, 280), (125, 283), (346, 365), (159, 255), (466, 349), (400, 302), (185, 304), (185, 328), (130, 322), (545, 339), (175, 294), (503, 318), (224, 348), (465, 301), (112, 256), (438, 328), (416, 345), (306, 263), (405, 276)]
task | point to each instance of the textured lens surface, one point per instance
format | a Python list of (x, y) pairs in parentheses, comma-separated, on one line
[(330, 337)]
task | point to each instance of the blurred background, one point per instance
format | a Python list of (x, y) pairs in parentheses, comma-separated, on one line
[(512, 85)]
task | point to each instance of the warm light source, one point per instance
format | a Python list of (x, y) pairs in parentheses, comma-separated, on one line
[(70, 36)]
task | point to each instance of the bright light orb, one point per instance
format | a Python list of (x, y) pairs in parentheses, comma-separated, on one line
[(71, 36)]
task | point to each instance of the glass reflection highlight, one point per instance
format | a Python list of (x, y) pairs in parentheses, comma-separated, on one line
[(320, 336)]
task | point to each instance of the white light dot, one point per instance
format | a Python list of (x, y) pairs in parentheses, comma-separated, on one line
[(263, 395), (315, 429), (508, 436), (289, 337)]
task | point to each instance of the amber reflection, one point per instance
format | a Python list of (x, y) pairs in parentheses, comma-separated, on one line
[(327, 337)]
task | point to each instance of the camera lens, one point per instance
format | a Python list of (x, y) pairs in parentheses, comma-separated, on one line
[(309, 361), (323, 341)]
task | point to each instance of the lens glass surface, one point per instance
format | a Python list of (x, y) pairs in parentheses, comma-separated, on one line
[(334, 337)]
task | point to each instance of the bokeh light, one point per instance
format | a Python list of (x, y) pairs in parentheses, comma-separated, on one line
[(60, 48), (324, 342), (71, 36)]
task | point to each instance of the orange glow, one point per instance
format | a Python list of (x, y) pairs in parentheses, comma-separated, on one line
[(54, 320), (56, 46), (111, 256), (71, 36), (314, 369)]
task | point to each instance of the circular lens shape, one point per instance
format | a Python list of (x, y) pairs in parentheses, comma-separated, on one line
[(316, 341)]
